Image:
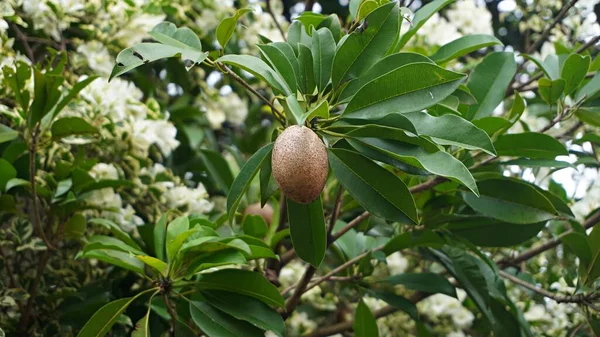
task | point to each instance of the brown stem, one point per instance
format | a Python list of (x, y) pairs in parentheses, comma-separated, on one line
[(579, 298), (25, 320), (591, 222), (272, 14), (293, 301), (24, 40), (172, 313), (32, 173), (335, 213)]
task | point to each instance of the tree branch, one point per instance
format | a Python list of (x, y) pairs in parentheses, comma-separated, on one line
[(579, 298), (272, 14), (559, 17)]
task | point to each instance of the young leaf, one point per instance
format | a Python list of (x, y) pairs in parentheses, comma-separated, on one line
[(158, 265), (573, 71), (364, 321), (226, 27), (488, 82), (247, 309), (62, 103), (254, 225), (242, 282), (463, 46), (244, 178), (117, 258), (323, 51), (376, 189), (428, 85), (531, 145), (307, 230), (363, 48), (174, 229), (99, 325)]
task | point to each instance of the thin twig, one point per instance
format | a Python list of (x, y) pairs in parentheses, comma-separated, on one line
[(579, 298), (293, 301), (32, 173), (24, 40), (172, 313), (272, 14), (559, 17), (335, 213)]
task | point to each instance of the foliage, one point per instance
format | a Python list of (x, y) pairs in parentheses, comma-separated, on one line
[(129, 197)]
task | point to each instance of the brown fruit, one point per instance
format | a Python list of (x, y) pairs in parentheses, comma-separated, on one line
[(299, 163), (265, 212)]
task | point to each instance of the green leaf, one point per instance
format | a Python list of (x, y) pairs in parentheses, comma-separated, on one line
[(99, 325), (215, 323), (216, 259), (217, 167), (307, 230), (174, 229), (174, 42), (397, 301), (293, 106), (438, 163), (376, 189), (108, 242), (531, 145), (158, 265), (69, 126), (307, 81), (391, 92), (361, 49), (7, 134), (267, 182), (281, 57), (7, 172), (310, 20), (492, 124), (421, 238), (116, 231), (17, 82), (593, 271), (227, 26), (551, 91), (364, 321), (488, 232), (247, 309), (323, 52), (384, 66), (332, 22), (66, 99), (589, 115), (420, 18), (488, 82), (321, 110), (46, 94), (538, 163), (451, 130), (254, 225), (579, 244), (365, 8), (590, 90), (463, 46), (427, 282), (244, 178), (260, 69), (142, 327), (242, 282), (573, 71), (117, 258), (511, 201), (76, 226)]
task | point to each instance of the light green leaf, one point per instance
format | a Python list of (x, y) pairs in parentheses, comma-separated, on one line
[(118, 258), (364, 321), (116, 231), (101, 322), (307, 230), (321, 111), (551, 91), (108, 242), (412, 87), (589, 115), (296, 113), (574, 70), (66, 99), (242, 282), (591, 90), (158, 265), (142, 327), (7, 134), (7, 172), (463, 46), (16, 182), (376, 189), (488, 82), (254, 225), (244, 178), (227, 26), (361, 49), (531, 145), (260, 69)]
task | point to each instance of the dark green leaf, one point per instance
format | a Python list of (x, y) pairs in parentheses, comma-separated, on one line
[(307, 230), (215, 323), (75, 227), (260, 69), (69, 126), (422, 238), (531, 145), (323, 51), (463, 46), (549, 90), (427, 282), (573, 71), (7, 172), (378, 190), (307, 74), (217, 168), (364, 321), (281, 57), (267, 182), (254, 225), (488, 232)]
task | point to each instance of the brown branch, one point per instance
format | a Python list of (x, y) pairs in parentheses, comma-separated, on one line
[(335, 213), (25, 320), (557, 19), (578, 298), (24, 40), (293, 301), (272, 14), (590, 222), (172, 313), (32, 173)]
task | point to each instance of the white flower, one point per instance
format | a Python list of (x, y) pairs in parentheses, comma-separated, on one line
[(116, 100), (438, 31), (229, 108), (195, 200), (300, 323), (97, 57), (148, 132), (470, 18), (136, 29), (462, 318), (270, 334), (102, 171), (456, 334), (536, 313), (3, 26), (397, 264)]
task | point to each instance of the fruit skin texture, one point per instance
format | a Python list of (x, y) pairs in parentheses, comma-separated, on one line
[(265, 212), (299, 164)]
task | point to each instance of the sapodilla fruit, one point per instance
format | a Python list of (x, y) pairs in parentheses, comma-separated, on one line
[(299, 164)]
